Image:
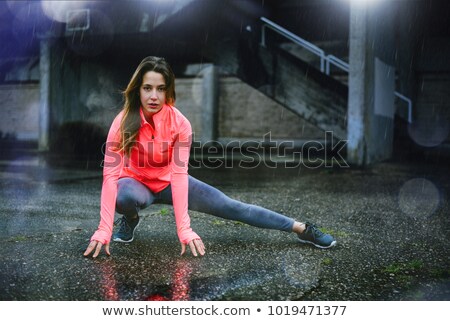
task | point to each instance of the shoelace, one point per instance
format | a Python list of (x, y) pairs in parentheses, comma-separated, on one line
[(315, 230), (123, 224)]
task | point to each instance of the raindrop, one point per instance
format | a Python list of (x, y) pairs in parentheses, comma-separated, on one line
[(418, 198)]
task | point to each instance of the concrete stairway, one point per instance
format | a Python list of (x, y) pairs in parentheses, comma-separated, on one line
[(301, 88)]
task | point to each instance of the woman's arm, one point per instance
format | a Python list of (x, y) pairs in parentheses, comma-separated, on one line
[(179, 185), (112, 165)]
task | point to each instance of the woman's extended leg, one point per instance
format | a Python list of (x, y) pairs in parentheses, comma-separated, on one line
[(207, 199)]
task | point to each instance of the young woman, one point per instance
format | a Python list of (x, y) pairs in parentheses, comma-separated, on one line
[(146, 161)]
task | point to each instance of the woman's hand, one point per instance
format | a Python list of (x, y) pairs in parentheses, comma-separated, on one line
[(195, 245), (97, 246)]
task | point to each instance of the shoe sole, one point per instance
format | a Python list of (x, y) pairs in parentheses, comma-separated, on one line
[(117, 239), (317, 245)]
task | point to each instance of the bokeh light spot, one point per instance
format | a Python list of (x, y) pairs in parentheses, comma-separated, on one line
[(429, 132), (419, 198)]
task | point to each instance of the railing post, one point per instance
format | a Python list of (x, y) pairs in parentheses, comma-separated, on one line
[(322, 63), (263, 36), (409, 102)]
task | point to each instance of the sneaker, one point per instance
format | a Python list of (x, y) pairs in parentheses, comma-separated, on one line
[(126, 230), (312, 235)]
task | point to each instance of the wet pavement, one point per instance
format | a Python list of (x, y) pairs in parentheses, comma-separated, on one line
[(391, 222)]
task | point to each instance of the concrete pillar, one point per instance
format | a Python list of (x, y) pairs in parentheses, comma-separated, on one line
[(370, 116), (358, 85), (44, 103), (210, 103)]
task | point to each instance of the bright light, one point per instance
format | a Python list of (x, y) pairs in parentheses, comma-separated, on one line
[(363, 2), (57, 10)]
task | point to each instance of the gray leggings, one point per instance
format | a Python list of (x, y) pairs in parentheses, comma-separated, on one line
[(133, 196)]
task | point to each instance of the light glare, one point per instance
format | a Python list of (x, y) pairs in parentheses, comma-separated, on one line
[(364, 1), (57, 10)]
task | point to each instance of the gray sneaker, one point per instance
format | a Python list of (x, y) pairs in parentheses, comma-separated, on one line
[(126, 230), (312, 235)]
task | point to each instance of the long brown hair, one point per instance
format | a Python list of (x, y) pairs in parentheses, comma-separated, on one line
[(131, 121)]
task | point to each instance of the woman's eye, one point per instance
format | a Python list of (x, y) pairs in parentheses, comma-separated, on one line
[(161, 89)]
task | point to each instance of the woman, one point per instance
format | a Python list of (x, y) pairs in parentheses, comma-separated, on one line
[(146, 161)]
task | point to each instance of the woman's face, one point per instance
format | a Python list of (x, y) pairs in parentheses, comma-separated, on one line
[(152, 93)]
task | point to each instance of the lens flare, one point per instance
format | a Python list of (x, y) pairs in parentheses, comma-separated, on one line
[(419, 198), (429, 132)]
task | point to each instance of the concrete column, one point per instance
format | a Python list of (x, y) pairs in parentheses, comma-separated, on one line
[(44, 103), (210, 103), (359, 81), (370, 116)]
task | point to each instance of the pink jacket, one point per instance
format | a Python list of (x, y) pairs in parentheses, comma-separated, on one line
[(160, 157)]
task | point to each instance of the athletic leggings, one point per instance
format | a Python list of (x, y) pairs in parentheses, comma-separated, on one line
[(133, 196)]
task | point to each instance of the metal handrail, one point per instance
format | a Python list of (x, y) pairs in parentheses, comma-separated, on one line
[(325, 61), (409, 102), (293, 37), (330, 59)]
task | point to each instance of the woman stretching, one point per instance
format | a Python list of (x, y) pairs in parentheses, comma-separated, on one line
[(146, 161)]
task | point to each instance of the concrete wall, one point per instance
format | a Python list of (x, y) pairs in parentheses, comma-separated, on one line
[(89, 90), (245, 112), (431, 125), (431, 72), (189, 101), (381, 28), (82, 89), (408, 28), (19, 106)]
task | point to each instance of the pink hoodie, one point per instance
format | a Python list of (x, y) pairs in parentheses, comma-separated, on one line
[(160, 157)]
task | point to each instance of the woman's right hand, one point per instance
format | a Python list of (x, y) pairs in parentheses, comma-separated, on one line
[(98, 247), (195, 245)]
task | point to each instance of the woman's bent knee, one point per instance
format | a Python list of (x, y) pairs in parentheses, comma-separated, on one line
[(130, 195)]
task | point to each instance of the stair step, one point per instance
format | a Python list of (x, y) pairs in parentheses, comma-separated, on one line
[(309, 93)]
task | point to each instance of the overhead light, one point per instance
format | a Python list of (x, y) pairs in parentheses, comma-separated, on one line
[(362, 2), (57, 10), (365, 1)]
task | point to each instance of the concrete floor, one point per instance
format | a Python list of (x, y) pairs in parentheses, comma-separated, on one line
[(391, 222)]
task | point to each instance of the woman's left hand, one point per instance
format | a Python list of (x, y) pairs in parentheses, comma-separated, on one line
[(195, 246)]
